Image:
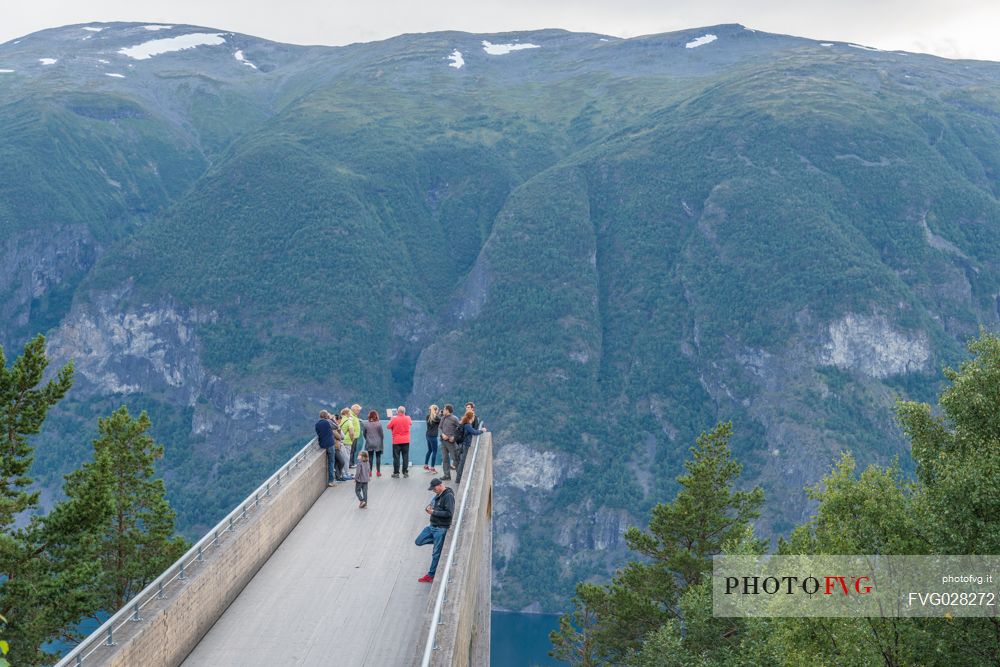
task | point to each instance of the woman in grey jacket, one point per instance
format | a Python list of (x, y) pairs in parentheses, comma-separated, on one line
[(373, 441)]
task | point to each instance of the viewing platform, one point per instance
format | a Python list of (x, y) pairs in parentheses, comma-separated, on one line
[(300, 575)]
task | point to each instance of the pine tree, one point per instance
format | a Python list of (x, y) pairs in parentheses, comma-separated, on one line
[(136, 541), (573, 642), (23, 406), (677, 550), (97, 547), (45, 567)]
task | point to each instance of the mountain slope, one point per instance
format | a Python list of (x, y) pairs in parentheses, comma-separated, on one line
[(608, 244)]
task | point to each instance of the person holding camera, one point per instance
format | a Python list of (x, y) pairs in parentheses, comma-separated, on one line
[(441, 509)]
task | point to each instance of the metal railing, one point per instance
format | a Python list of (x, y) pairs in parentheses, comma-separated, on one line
[(104, 636), (431, 644)]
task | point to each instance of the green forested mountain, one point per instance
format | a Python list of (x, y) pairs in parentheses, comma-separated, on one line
[(610, 245)]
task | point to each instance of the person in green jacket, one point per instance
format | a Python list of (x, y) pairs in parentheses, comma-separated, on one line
[(351, 426)]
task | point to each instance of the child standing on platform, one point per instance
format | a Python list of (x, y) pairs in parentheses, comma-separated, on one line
[(362, 474)]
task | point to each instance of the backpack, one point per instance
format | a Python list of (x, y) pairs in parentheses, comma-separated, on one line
[(460, 435)]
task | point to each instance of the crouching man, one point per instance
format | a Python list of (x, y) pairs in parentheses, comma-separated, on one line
[(441, 510)]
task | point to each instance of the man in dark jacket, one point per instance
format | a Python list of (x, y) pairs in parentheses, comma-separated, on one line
[(446, 429), (477, 423), (324, 437), (441, 510)]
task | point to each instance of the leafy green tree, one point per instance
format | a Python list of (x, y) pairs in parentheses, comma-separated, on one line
[(950, 508), (870, 513), (958, 470), (958, 454), (676, 551), (136, 541)]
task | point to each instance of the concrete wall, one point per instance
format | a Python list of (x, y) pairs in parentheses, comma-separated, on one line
[(173, 627), (463, 638)]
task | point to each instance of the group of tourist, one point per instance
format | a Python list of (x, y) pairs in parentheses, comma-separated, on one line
[(353, 444), (454, 435)]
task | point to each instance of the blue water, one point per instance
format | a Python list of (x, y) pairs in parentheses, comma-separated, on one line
[(418, 447), (521, 640)]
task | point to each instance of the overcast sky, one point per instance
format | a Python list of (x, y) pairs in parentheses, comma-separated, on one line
[(950, 28)]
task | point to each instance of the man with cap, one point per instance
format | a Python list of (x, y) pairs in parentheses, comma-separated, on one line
[(440, 511)]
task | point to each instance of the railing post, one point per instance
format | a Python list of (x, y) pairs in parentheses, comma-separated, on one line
[(135, 613), (201, 554), (111, 636), (182, 576), (159, 593)]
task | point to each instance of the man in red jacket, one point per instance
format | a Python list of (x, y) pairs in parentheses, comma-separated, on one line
[(400, 427)]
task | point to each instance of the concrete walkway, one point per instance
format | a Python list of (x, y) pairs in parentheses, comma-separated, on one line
[(341, 589)]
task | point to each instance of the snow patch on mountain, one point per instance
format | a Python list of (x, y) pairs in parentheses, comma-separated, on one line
[(866, 48), (92, 29), (6, 71), (48, 61), (160, 46), (154, 28), (503, 49), (239, 56), (457, 61), (115, 75), (700, 41)]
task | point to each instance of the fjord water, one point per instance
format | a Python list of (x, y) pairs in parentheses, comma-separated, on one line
[(521, 640)]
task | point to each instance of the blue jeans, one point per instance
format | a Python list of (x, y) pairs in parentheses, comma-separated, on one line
[(432, 450), (435, 535), (331, 462)]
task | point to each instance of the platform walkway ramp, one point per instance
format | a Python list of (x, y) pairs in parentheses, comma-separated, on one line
[(340, 590), (299, 575)]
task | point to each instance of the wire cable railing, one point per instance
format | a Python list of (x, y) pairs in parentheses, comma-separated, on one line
[(436, 621), (181, 570)]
